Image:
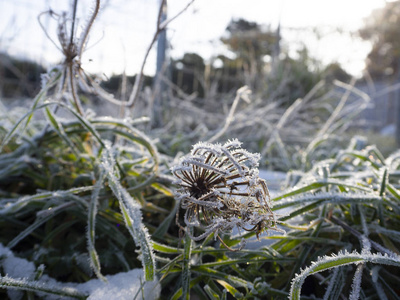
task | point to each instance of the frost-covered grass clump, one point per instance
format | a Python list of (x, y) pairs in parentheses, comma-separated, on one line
[(90, 200)]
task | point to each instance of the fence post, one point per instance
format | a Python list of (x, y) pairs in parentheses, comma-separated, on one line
[(159, 86), (397, 110)]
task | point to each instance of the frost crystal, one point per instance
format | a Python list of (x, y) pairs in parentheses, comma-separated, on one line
[(220, 189)]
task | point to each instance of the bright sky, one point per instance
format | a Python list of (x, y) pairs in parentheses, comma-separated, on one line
[(124, 29)]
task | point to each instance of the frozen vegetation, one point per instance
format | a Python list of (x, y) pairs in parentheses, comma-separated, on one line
[(22, 274), (97, 207)]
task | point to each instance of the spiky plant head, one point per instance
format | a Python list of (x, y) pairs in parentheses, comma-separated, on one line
[(219, 189)]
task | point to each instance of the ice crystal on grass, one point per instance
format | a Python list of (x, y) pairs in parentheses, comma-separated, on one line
[(356, 285), (131, 213), (220, 189), (342, 259)]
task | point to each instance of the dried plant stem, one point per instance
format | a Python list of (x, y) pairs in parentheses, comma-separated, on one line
[(74, 94), (87, 29), (240, 94), (71, 38), (338, 108), (160, 27)]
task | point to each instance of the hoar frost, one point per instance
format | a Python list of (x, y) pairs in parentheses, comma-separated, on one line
[(220, 189)]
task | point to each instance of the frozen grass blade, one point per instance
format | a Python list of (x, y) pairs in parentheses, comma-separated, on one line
[(322, 183), (91, 229), (38, 222), (85, 123), (15, 206), (40, 287), (132, 134), (59, 129), (132, 215), (186, 268), (211, 293), (337, 261), (356, 286), (130, 212), (332, 284), (28, 116), (380, 291), (334, 198)]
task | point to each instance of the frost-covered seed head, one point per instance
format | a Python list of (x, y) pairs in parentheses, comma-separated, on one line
[(220, 189)]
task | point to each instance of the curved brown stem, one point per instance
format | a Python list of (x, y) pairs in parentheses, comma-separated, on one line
[(229, 248), (87, 29), (73, 91)]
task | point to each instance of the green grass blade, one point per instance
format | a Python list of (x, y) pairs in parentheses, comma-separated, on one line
[(38, 222), (383, 182), (211, 293), (186, 268), (164, 225), (364, 157), (233, 291), (166, 249), (178, 294), (393, 191), (234, 280), (301, 210), (59, 129)]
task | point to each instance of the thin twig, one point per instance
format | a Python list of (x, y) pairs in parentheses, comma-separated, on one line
[(75, 96), (45, 30), (87, 29), (337, 110), (166, 22), (241, 93), (71, 38), (139, 77)]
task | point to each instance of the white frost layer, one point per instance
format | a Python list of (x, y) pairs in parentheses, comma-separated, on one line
[(13, 266), (121, 286)]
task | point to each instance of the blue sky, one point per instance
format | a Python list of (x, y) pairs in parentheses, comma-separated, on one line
[(124, 29)]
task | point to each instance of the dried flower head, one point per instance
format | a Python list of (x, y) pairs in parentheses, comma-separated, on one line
[(220, 189)]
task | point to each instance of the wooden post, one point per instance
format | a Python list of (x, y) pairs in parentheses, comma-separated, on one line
[(159, 86), (397, 116), (397, 109)]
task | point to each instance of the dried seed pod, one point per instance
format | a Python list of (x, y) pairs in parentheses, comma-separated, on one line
[(220, 189)]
